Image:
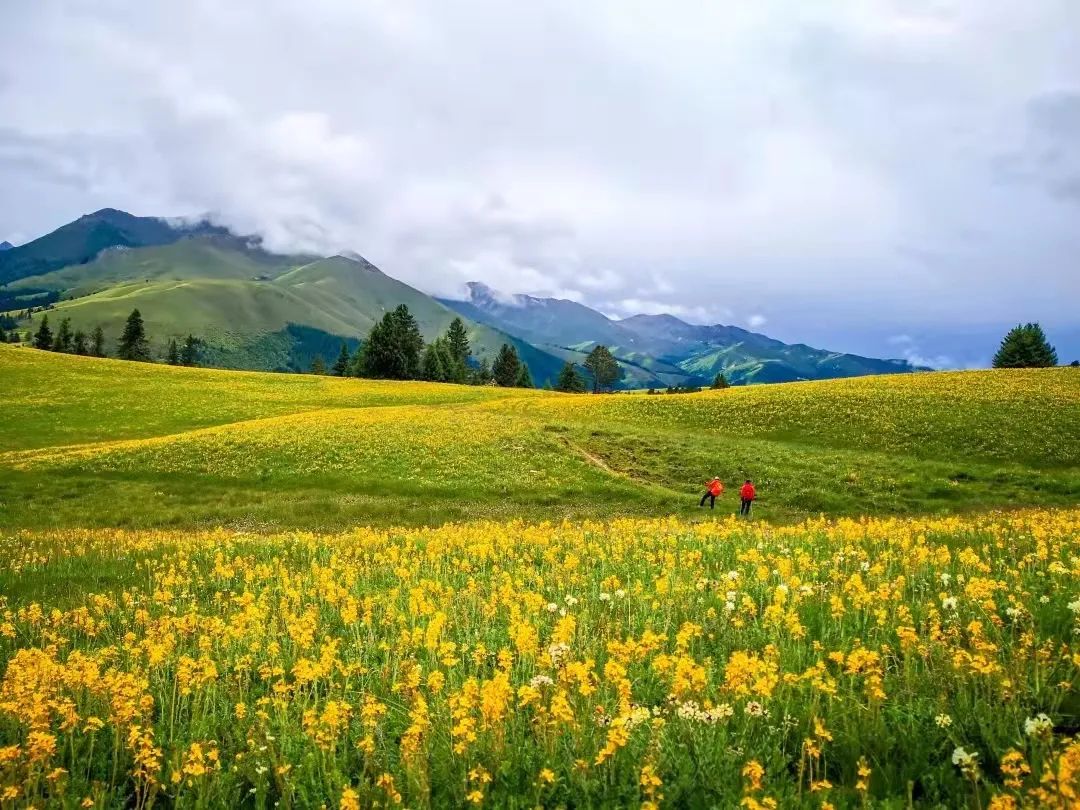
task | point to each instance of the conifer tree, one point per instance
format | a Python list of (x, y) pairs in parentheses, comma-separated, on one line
[(570, 381), (133, 344), (457, 345), (97, 342), (1025, 346), (79, 344), (432, 368), (604, 368), (482, 374), (393, 348), (341, 365), (172, 356), (318, 366), (43, 337), (189, 352), (524, 378), (720, 381), (506, 367), (64, 337)]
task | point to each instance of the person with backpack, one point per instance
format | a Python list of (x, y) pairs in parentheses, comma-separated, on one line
[(747, 495), (713, 489)]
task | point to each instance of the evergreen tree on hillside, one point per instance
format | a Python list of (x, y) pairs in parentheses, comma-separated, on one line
[(189, 352), (318, 366), (570, 381), (133, 344), (720, 381), (97, 342), (172, 356), (432, 368), (341, 365), (79, 344), (506, 367), (524, 378), (64, 337), (43, 337), (457, 345), (482, 374), (604, 368), (1025, 346), (393, 348)]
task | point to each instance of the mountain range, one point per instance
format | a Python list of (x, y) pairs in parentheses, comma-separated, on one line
[(261, 310)]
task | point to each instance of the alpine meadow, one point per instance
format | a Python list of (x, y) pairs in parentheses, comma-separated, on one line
[(571, 405), (245, 589)]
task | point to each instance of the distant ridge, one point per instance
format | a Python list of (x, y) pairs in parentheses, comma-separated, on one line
[(5, 245)]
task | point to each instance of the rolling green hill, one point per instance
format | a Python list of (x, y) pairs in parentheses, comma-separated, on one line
[(661, 350), (253, 309), (101, 442)]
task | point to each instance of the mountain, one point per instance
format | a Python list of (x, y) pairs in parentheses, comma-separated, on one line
[(661, 350), (254, 309), (5, 245), (81, 241)]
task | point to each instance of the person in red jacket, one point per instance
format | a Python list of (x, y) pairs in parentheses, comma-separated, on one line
[(747, 494), (712, 492)]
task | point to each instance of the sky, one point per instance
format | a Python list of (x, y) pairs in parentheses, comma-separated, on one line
[(890, 177)]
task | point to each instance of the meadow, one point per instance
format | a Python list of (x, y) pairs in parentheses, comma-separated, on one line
[(239, 589)]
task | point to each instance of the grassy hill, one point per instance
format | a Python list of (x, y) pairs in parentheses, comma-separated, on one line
[(254, 309), (108, 443)]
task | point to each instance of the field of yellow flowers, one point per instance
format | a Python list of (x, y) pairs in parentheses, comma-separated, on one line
[(871, 662)]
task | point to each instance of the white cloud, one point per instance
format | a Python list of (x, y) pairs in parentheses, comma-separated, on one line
[(867, 165), (757, 321)]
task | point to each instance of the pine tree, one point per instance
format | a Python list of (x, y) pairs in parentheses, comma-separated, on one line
[(43, 337), (64, 337), (524, 378), (432, 368), (481, 374), (97, 342), (133, 344), (604, 368), (318, 366), (79, 344), (341, 365), (172, 356), (189, 352), (1025, 346), (720, 381), (569, 380), (457, 344), (506, 367), (393, 348)]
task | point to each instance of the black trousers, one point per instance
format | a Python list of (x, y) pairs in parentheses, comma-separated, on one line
[(712, 500), (745, 509)]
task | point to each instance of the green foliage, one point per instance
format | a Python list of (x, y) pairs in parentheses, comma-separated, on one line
[(1025, 346), (433, 367), (570, 381), (506, 367), (318, 366), (720, 381), (172, 355), (341, 365), (393, 348), (133, 344), (524, 379), (64, 337), (603, 367), (458, 350), (79, 344), (43, 337), (482, 375), (97, 342), (189, 353)]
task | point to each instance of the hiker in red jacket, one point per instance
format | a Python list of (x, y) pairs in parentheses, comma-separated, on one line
[(747, 494), (712, 491)]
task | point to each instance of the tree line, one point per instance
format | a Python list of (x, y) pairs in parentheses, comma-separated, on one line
[(133, 343), (395, 350)]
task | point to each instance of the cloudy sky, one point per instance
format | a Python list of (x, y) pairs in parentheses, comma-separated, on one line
[(893, 177)]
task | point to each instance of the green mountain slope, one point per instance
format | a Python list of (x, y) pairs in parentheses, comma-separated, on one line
[(662, 350), (254, 309), (81, 241)]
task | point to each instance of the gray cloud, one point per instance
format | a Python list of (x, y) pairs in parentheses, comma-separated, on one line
[(845, 170)]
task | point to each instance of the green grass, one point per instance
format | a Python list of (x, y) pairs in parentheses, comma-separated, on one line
[(102, 443)]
